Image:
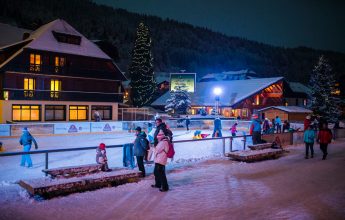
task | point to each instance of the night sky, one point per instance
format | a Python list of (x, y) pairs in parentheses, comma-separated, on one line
[(318, 24)]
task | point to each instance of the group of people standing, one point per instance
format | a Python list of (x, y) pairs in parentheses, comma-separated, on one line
[(323, 136), (143, 146)]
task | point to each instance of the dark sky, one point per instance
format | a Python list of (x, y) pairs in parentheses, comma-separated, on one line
[(290, 23)]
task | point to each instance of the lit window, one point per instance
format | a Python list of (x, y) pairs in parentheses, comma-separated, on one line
[(29, 87), (59, 63), (78, 113), (55, 87), (35, 62), (26, 112), (257, 100), (5, 95)]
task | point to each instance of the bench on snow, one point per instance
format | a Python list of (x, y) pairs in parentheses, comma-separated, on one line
[(255, 155), (260, 146), (72, 171), (49, 188)]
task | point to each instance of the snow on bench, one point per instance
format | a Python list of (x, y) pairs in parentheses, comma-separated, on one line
[(49, 188), (72, 171), (255, 155), (260, 146)]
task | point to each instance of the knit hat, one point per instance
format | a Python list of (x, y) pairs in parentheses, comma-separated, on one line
[(102, 146), (25, 129), (255, 116), (138, 129)]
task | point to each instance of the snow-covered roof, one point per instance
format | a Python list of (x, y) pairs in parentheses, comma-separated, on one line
[(43, 39), (289, 109), (12, 34), (299, 87), (228, 75), (233, 92)]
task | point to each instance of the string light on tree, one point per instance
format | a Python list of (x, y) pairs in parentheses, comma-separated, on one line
[(141, 68)]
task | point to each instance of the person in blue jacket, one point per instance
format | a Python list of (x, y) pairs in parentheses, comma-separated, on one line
[(140, 148), (255, 129), (278, 124), (26, 140), (217, 131), (309, 137)]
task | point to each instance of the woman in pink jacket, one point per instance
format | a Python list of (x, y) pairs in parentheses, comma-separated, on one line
[(160, 162)]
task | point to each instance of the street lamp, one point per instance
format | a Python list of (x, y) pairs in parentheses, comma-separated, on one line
[(217, 91)]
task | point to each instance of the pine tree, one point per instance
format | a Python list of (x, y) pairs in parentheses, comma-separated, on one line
[(322, 82), (142, 83), (179, 102)]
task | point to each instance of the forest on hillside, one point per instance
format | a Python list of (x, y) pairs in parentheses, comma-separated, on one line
[(176, 45)]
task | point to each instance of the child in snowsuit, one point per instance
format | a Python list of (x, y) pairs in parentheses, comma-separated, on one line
[(233, 130), (101, 157)]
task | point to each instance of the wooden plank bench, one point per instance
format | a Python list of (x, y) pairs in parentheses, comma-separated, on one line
[(255, 155), (49, 188), (72, 171), (260, 146)]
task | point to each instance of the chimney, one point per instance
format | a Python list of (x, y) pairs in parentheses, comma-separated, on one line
[(26, 35)]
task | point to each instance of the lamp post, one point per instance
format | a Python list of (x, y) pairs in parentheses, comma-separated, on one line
[(217, 91)]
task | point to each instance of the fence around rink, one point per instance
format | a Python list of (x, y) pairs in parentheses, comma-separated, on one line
[(196, 151)]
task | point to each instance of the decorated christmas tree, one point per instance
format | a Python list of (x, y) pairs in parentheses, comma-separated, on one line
[(142, 83), (323, 101), (179, 102)]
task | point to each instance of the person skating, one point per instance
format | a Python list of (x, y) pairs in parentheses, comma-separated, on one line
[(26, 140), (101, 157), (217, 131), (324, 138), (140, 148), (187, 122), (160, 161), (233, 130), (308, 137)]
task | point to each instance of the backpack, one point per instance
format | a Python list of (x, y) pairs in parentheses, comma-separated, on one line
[(147, 144), (171, 151)]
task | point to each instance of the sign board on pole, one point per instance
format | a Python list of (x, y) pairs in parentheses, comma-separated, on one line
[(184, 81)]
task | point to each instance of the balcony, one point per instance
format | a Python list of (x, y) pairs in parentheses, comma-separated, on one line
[(47, 95), (65, 71)]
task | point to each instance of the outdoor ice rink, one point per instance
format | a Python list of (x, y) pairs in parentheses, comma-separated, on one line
[(204, 185)]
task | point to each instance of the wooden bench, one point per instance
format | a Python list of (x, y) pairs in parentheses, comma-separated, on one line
[(255, 155), (49, 188), (260, 146), (72, 171)]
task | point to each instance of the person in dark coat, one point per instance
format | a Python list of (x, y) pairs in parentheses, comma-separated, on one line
[(160, 125), (187, 122), (26, 140), (266, 126), (140, 148), (217, 130), (324, 137)]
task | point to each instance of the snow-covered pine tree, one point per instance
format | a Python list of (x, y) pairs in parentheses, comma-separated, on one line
[(322, 82), (142, 83), (179, 102)]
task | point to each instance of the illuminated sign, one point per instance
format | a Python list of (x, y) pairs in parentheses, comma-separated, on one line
[(182, 81)]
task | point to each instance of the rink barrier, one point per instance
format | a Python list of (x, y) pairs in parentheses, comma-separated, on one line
[(46, 152)]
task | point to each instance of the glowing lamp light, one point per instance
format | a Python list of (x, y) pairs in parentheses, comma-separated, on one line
[(217, 91)]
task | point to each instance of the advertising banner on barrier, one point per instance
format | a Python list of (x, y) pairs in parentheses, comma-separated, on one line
[(106, 126), (5, 130), (70, 128)]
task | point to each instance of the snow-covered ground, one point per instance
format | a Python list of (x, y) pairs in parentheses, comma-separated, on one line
[(290, 187), (190, 151)]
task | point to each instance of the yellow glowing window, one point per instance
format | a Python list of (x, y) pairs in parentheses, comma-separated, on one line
[(35, 62), (26, 112), (78, 113), (257, 100), (55, 85), (29, 84), (59, 61)]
